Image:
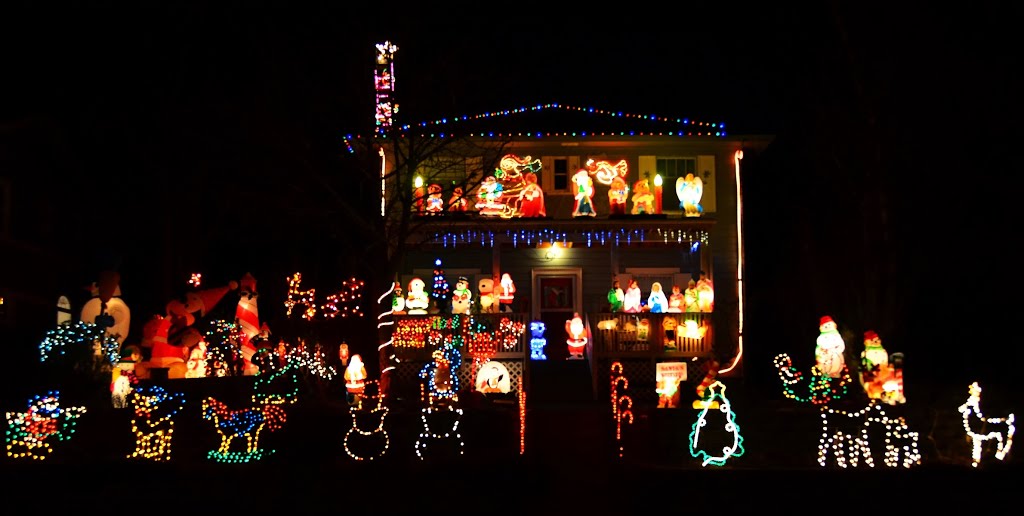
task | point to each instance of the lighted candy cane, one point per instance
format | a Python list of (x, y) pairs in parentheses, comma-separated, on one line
[(305, 297), (622, 407), (522, 417), (383, 320)]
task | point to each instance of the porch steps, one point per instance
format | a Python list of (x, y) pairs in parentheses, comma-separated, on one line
[(560, 382)]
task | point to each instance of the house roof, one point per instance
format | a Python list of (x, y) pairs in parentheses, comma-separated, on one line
[(556, 120)]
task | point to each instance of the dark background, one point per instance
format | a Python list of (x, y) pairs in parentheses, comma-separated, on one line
[(152, 140)]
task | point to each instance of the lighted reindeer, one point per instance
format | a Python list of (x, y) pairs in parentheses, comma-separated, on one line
[(849, 438), (248, 423), (153, 421), (1001, 429)]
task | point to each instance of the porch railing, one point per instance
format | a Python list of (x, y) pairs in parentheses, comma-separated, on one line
[(417, 336), (646, 334)]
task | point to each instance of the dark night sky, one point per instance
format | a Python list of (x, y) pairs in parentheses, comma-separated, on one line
[(132, 100)]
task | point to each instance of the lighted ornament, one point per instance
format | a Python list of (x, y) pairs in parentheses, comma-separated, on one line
[(374, 430), (434, 204), (296, 296), (490, 201), (35, 432), (538, 341), (631, 299), (716, 392), (583, 193), (417, 300), (705, 293), (531, 199), (616, 297), (440, 291), (622, 406), (153, 421), (506, 292), (643, 199), (690, 297), (676, 301), (618, 194), (821, 388), (462, 297), (850, 436), (689, 189), (488, 301), (577, 340), (246, 423), (605, 172), (656, 301), (830, 347), (998, 429)]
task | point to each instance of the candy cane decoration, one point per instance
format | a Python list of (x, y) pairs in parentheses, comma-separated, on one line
[(622, 406), (522, 417)]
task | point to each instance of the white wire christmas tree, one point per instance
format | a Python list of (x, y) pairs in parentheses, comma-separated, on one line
[(716, 392)]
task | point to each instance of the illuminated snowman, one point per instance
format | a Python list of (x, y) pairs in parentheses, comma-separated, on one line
[(829, 350), (462, 297), (417, 300)]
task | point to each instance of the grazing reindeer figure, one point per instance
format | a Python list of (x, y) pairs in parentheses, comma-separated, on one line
[(247, 422), (1003, 437), (153, 421), (849, 437)]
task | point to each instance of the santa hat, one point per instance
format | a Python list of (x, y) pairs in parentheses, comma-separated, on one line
[(211, 296), (869, 336), (825, 319)]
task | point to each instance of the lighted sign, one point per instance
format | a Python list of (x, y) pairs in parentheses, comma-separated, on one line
[(666, 378)]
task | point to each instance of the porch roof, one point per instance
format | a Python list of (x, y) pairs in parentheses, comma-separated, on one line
[(531, 231)]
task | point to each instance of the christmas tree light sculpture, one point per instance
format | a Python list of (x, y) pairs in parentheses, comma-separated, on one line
[(736, 448)]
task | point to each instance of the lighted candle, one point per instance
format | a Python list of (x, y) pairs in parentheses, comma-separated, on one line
[(418, 183), (657, 193)]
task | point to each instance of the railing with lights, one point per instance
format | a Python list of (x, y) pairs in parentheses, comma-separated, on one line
[(497, 335), (647, 334)]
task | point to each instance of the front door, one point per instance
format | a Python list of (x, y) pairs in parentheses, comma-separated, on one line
[(556, 294)]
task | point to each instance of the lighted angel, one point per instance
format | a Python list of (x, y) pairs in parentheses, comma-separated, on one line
[(690, 189)]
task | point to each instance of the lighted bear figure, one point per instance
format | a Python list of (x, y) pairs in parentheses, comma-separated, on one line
[(618, 193), (829, 350), (417, 300), (538, 341), (643, 199), (462, 297), (488, 301)]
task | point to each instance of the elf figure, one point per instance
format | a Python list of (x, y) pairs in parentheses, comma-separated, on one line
[(829, 350), (583, 186), (577, 340)]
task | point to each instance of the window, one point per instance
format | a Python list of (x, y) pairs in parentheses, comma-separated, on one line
[(448, 171), (561, 174), (670, 170)]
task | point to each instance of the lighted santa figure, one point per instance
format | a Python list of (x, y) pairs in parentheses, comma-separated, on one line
[(829, 350), (506, 292), (355, 376), (577, 340), (631, 300), (583, 188), (462, 297), (417, 301)]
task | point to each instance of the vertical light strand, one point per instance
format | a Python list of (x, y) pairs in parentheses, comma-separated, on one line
[(737, 156), (522, 417)]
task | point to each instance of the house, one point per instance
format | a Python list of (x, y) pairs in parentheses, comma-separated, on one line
[(477, 217)]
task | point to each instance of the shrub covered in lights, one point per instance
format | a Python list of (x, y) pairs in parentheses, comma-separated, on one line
[(79, 339)]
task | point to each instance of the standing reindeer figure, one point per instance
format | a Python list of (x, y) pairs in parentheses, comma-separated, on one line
[(1003, 436), (248, 422)]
